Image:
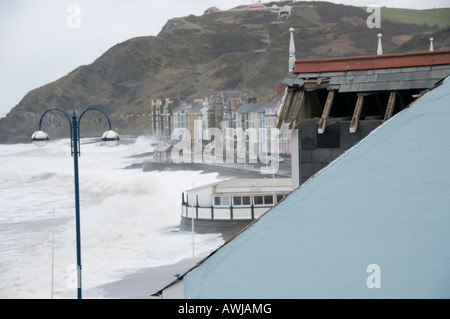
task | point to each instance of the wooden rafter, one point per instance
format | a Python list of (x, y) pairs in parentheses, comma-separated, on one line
[(298, 105), (390, 106), (356, 114), (326, 112)]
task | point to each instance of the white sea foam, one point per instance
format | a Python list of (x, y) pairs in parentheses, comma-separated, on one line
[(129, 218)]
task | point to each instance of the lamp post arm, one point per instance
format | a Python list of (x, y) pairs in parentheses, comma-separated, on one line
[(54, 109), (93, 108), (96, 109), (68, 119)]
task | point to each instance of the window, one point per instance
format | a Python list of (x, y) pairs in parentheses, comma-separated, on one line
[(226, 201), (241, 200), (221, 201), (259, 200), (263, 200), (280, 197), (268, 199)]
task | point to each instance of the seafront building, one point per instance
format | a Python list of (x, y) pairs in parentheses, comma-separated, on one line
[(368, 217), (228, 206), (221, 110)]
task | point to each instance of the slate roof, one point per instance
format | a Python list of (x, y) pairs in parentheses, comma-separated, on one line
[(188, 106), (419, 70), (252, 107), (259, 107), (367, 74)]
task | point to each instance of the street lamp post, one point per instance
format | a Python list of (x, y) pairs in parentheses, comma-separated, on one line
[(40, 137)]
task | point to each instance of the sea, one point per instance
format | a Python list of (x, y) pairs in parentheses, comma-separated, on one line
[(129, 217)]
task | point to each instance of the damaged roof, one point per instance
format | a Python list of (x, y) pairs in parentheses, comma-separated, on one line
[(418, 70), (396, 74)]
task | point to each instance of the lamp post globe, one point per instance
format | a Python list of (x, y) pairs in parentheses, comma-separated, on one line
[(110, 137), (39, 138)]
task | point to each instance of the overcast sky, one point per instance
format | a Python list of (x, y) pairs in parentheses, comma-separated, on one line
[(43, 40)]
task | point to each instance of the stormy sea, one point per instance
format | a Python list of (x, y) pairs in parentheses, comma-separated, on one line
[(129, 221)]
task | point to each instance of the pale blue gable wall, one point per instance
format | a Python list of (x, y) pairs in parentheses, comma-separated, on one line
[(386, 202)]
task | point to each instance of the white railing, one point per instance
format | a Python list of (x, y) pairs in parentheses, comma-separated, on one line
[(223, 212)]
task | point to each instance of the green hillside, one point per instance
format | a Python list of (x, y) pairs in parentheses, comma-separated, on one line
[(439, 17)]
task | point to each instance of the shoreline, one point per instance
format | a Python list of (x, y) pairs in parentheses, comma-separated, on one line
[(142, 283)]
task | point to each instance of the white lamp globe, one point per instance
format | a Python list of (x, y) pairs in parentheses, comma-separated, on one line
[(39, 138), (111, 138)]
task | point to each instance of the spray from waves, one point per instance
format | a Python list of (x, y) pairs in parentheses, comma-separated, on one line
[(129, 218), (138, 228)]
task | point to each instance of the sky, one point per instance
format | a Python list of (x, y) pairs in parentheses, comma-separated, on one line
[(44, 40)]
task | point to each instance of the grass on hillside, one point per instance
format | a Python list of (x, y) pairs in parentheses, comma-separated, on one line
[(431, 17)]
